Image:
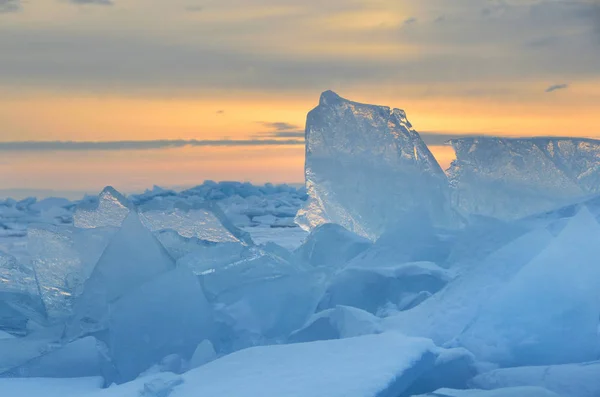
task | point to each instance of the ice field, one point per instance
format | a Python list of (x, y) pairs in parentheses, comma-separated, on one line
[(386, 276)]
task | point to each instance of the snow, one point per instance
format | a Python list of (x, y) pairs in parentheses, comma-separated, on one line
[(373, 365), (508, 392), (367, 168)]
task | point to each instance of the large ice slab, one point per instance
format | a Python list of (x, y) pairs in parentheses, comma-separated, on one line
[(548, 312), (366, 167), (573, 380), (446, 314), (132, 257), (63, 258), (513, 178), (167, 315)]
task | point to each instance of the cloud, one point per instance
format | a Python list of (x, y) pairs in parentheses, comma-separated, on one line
[(557, 87), (288, 134), (410, 21), (138, 145), (194, 8), (279, 125), (220, 112), (9, 6), (98, 2)]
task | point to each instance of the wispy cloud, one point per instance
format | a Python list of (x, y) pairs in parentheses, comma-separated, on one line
[(279, 125), (410, 21), (138, 145), (557, 87), (9, 5)]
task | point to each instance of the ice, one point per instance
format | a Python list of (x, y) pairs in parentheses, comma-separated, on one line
[(77, 359), (337, 323), (167, 315), (374, 288), (16, 352), (204, 353), (205, 221), (63, 258), (42, 387), (132, 257), (330, 245), (19, 295), (508, 392), (513, 178), (548, 313), (366, 168), (447, 313), (572, 380), (110, 209), (267, 309)]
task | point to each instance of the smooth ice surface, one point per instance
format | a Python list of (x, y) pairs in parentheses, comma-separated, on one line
[(446, 314), (366, 167), (43, 387), (167, 315), (132, 257), (63, 258), (508, 392), (572, 380), (337, 323), (330, 245), (513, 178), (110, 209), (374, 288), (549, 312)]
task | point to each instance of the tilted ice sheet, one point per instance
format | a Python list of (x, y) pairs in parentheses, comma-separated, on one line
[(366, 167), (63, 257), (133, 256), (513, 178), (548, 312)]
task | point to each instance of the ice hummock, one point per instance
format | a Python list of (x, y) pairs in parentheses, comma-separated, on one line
[(513, 178), (140, 304), (366, 167)]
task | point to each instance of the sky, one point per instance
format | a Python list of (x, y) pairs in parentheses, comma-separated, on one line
[(174, 92)]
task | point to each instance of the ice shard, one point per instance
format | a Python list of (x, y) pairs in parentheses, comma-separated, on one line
[(513, 178), (110, 209), (367, 168), (132, 257), (63, 257)]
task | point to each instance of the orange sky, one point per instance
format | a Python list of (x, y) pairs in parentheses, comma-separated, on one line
[(229, 69)]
